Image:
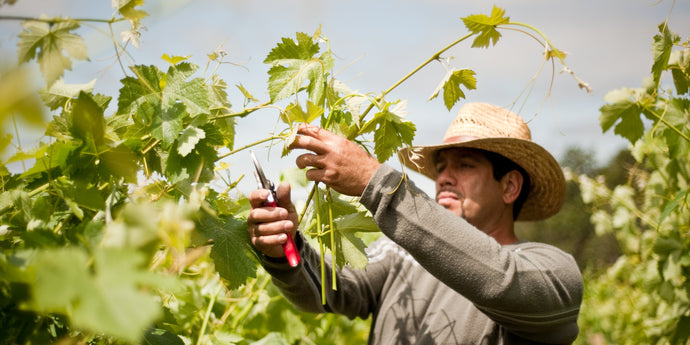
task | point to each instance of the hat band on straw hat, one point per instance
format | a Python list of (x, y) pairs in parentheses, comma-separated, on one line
[(490, 128)]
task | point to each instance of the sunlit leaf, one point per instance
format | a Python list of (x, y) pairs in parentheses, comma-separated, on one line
[(295, 114), (140, 95), (451, 85), (174, 60), (679, 63), (390, 134), (232, 253), (248, 95), (88, 123), (106, 298), (293, 64), (188, 140), (623, 110), (192, 93), (128, 9), (485, 27), (47, 42), (168, 126), (57, 94), (662, 50)]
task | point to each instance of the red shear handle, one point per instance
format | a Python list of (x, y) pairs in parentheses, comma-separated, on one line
[(289, 247)]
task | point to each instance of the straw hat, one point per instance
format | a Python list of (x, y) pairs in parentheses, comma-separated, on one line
[(491, 128)]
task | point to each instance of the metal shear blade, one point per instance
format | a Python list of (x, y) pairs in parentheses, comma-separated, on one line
[(261, 179)]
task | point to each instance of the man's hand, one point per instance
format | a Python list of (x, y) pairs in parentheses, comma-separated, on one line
[(335, 161), (268, 225)]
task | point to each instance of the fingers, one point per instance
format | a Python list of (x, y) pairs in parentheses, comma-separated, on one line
[(268, 225), (267, 229), (315, 139), (311, 160), (339, 163)]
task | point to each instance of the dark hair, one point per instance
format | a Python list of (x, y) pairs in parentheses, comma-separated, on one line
[(501, 166)]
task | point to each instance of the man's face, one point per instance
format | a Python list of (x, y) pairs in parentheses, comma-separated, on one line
[(466, 186)]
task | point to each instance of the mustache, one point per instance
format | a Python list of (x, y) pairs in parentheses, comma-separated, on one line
[(448, 189)]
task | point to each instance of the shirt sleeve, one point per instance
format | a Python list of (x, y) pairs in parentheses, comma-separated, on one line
[(358, 289), (534, 290)]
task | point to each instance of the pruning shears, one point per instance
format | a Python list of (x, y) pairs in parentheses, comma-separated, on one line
[(289, 246)]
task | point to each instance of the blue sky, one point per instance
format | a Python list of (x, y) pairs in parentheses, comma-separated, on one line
[(378, 42)]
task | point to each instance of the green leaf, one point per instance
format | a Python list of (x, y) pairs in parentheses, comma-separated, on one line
[(451, 84), (391, 132), (348, 221), (232, 252), (161, 337), (353, 247), (188, 140), (140, 96), (174, 60), (59, 93), (106, 298), (676, 115), (622, 109), (56, 157), (88, 123), (286, 52), (272, 339), (248, 95), (679, 63), (294, 113), (128, 10), (46, 43), (671, 205), (485, 27), (681, 330), (663, 43), (168, 126), (193, 93), (121, 162), (21, 155), (666, 245), (294, 63), (82, 194)]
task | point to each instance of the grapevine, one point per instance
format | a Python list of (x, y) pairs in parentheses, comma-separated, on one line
[(115, 235)]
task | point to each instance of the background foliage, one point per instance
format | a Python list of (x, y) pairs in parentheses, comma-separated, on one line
[(114, 235)]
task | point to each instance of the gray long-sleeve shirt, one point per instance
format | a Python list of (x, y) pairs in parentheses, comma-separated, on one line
[(435, 279)]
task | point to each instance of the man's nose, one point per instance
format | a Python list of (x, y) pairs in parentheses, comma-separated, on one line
[(445, 178)]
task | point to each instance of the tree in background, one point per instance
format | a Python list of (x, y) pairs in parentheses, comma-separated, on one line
[(571, 229), (644, 298)]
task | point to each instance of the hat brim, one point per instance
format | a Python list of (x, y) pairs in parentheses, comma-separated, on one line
[(547, 183)]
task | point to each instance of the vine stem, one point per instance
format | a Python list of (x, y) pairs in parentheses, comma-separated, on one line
[(322, 247), (540, 33), (243, 313), (331, 225), (249, 145), (244, 112), (58, 19), (19, 142), (670, 126), (207, 315), (434, 57)]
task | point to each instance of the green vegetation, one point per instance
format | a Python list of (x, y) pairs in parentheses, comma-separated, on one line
[(112, 234)]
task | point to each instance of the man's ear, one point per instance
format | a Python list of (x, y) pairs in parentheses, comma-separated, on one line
[(512, 185)]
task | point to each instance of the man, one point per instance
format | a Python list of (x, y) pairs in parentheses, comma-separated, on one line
[(438, 277)]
